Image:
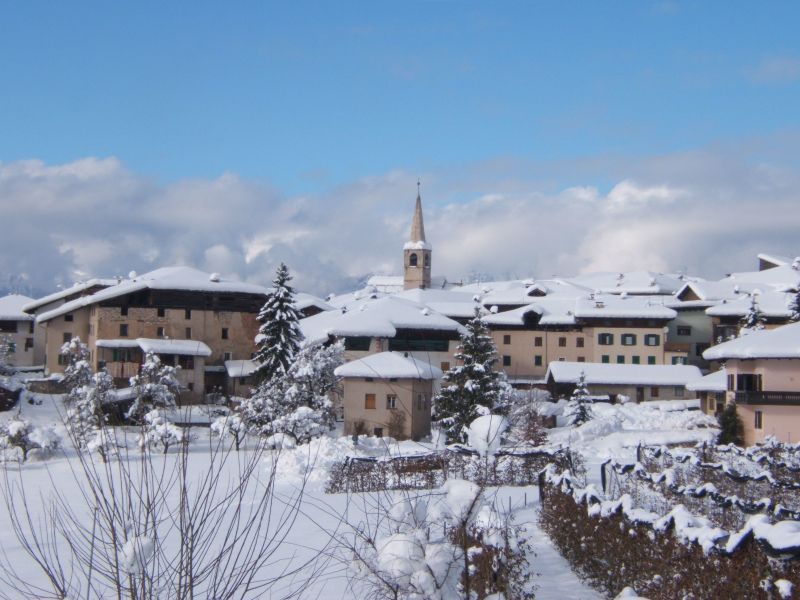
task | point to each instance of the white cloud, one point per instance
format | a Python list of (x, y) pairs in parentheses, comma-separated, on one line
[(775, 69), (706, 211)]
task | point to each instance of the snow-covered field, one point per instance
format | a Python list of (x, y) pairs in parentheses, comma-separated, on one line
[(311, 537)]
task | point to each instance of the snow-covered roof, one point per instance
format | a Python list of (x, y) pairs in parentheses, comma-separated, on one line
[(615, 374), (714, 291), (774, 259), (779, 278), (159, 346), (12, 308), (379, 317), (418, 245), (66, 292), (770, 303), (166, 278), (633, 282), (389, 365), (513, 317), (781, 342), (622, 307), (303, 301), (451, 303), (713, 382), (240, 368)]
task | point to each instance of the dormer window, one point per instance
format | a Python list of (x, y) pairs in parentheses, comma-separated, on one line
[(427, 260), (412, 260)]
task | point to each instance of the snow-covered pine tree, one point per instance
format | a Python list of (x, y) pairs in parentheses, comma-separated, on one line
[(794, 306), (297, 402), (579, 407), (156, 386), (78, 371), (5, 347), (472, 387), (754, 319), (279, 336), (85, 416)]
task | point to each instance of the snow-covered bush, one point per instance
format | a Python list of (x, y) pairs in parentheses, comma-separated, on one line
[(472, 387), (5, 345), (85, 415), (156, 386), (579, 408), (485, 434), (78, 370), (298, 401), (448, 544), (230, 426), (526, 419), (159, 431), (754, 319), (20, 434)]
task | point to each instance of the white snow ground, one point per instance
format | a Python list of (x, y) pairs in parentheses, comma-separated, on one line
[(613, 433)]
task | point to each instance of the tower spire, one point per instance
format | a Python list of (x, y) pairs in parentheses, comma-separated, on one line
[(417, 224)]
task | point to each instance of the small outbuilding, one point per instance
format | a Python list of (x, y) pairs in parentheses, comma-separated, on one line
[(388, 393)]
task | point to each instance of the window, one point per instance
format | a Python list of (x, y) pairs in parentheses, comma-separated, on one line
[(159, 332), (11, 348), (684, 330), (378, 431), (620, 359), (369, 379), (654, 392), (227, 356), (562, 342), (186, 362), (187, 313), (652, 339), (412, 260), (190, 386), (605, 358), (417, 345), (188, 333), (678, 360), (420, 402), (62, 360), (759, 420), (391, 401), (123, 330), (579, 342), (581, 359), (635, 360), (28, 344), (628, 339), (537, 341), (748, 382), (69, 318), (678, 391), (360, 344), (30, 327), (369, 401), (8, 326), (605, 339), (392, 378), (506, 360), (427, 260), (651, 360), (224, 333), (506, 339), (537, 360), (123, 311), (66, 337), (730, 383), (444, 366), (161, 312)]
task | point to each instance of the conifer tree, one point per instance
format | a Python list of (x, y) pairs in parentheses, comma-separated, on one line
[(5, 344), (472, 387), (156, 386), (279, 336), (579, 408), (754, 319), (731, 429), (794, 306)]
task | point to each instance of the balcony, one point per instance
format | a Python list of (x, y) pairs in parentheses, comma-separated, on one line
[(772, 398), (677, 347)]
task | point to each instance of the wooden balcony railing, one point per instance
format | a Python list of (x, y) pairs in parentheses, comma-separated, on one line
[(774, 398)]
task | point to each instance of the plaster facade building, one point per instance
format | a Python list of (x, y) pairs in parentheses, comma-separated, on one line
[(17, 331)]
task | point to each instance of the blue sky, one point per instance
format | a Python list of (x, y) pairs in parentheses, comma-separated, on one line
[(551, 138), (302, 96)]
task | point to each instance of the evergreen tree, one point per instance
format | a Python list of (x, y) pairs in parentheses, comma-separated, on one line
[(156, 386), (78, 371), (5, 345), (794, 306), (471, 388), (579, 409), (754, 319), (730, 426), (279, 336), (298, 401)]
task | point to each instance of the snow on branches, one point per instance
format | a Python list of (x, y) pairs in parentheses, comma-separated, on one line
[(754, 319), (297, 402), (472, 387), (279, 336), (156, 386), (579, 409)]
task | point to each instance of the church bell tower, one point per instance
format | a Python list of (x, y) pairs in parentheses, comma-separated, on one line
[(417, 253)]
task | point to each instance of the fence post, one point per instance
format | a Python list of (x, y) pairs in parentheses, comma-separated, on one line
[(541, 488)]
